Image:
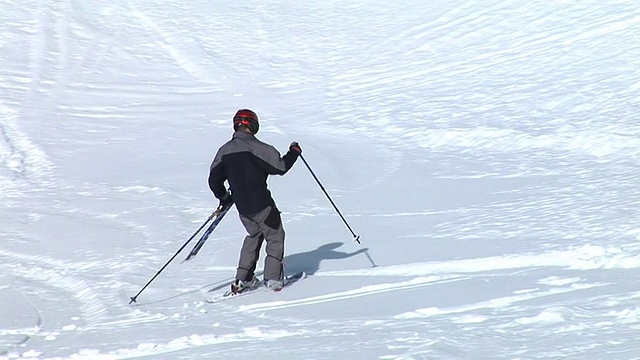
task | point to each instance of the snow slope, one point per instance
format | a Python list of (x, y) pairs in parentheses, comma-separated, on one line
[(486, 152)]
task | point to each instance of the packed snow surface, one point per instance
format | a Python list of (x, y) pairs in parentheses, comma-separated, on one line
[(487, 153)]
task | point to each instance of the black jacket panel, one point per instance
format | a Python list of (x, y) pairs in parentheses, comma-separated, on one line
[(246, 162)]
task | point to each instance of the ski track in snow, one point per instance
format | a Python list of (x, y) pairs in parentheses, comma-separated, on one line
[(517, 118), (23, 162)]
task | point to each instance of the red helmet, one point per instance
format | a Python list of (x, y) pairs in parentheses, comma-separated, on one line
[(248, 118)]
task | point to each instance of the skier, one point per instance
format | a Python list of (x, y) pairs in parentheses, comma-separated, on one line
[(245, 162)]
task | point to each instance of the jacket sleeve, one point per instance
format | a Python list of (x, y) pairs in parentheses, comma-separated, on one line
[(273, 164), (217, 177)]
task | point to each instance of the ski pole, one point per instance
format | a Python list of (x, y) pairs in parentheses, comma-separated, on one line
[(219, 215), (134, 298), (355, 237)]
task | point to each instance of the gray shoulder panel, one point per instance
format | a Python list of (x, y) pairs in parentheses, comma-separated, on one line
[(248, 143)]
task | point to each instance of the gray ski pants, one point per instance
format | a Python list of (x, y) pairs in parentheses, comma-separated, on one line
[(265, 225)]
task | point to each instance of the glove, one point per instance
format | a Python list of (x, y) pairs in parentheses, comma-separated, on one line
[(295, 147), (226, 200)]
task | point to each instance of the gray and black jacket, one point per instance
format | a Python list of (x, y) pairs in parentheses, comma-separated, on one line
[(246, 162)]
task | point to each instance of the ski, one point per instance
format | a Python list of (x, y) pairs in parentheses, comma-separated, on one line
[(229, 295), (288, 281), (292, 279), (221, 213)]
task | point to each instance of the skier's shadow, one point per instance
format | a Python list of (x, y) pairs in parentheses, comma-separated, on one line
[(309, 261)]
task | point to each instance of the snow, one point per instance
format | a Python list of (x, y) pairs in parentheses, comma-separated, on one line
[(486, 153)]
